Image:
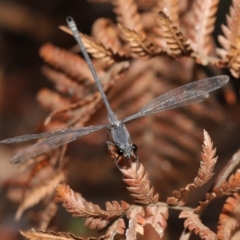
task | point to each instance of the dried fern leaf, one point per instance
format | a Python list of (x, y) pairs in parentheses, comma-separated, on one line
[(127, 15), (206, 59), (95, 217), (230, 53), (51, 100), (79, 112), (118, 227), (229, 218), (194, 224), (106, 32), (96, 223), (47, 215), (135, 176), (34, 234), (79, 207), (97, 50), (228, 169), (69, 63), (139, 184), (177, 44), (136, 222), (157, 217), (64, 84), (39, 193), (208, 162), (170, 8), (139, 44), (114, 209), (179, 198), (226, 188), (230, 186), (205, 173), (76, 204), (203, 25)]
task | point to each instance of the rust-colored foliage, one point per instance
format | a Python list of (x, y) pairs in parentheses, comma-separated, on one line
[(230, 41), (193, 223), (96, 218), (205, 173), (137, 58), (228, 227), (176, 43)]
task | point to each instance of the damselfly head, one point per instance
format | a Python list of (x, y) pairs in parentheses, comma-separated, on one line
[(128, 153)]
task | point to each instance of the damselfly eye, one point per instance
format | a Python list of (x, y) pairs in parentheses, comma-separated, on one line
[(120, 152), (134, 147)]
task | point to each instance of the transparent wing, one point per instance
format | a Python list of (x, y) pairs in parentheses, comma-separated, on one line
[(53, 140), (28, 137), (181, 96)]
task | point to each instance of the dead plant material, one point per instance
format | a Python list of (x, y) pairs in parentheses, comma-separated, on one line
[(228, 227), (39, 193), (176, 42), (168, 143), (230, 41), (138, 43), (205, 173), (193, 223), (203, 20), (127, 15), (97, 50), (41, 235), (157, 217)]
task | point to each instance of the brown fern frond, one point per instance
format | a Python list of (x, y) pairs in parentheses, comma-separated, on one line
[(226, 188), (136, 222), (230, 53), (114, 209), (139, 184), (228, 169), (127, 15), (71, 64), (75, 113), (106, 32), (135, 176), (48, 213), (205, 173), (194, 224), (97, 50), (229, 218), (157, 217), (208, 162), (170, 8), (35, 234), (177, 44), (76, 204), (79, 207), (95, 217), (179, 197), (229, 187), (64, 84), (203, 25), (118, 227), (90, 99), (139, 43), (51, 100), (39, 193)]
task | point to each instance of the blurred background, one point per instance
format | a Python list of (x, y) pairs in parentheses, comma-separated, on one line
[(24, 27)]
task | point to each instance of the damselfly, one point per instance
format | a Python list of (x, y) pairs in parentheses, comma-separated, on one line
[(189, 93)]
